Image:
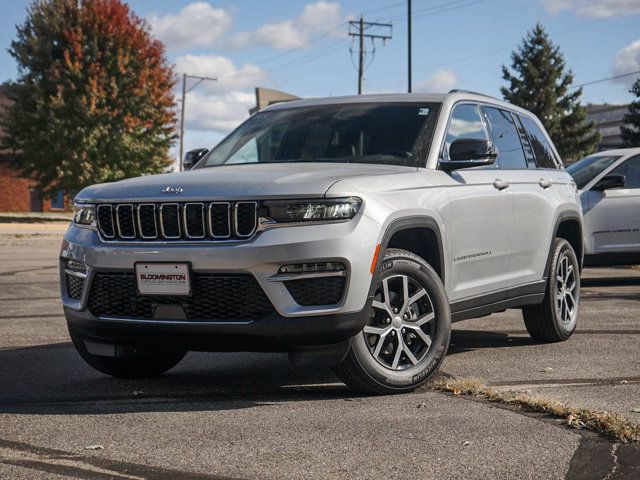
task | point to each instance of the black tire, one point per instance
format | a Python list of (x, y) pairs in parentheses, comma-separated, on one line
[(137, 365), (547, 322), (364, 371)]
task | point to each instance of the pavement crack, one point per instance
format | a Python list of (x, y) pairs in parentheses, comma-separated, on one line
[(616, 462)]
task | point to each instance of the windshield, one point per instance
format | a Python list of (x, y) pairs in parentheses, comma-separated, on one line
[(389, 133), (585, 170)]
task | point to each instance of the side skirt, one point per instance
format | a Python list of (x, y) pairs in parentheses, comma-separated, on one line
[(483, 305)]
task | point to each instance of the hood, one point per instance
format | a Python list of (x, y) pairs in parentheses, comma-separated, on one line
[(237, 182)]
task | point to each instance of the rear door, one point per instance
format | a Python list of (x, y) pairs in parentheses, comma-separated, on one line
[(528, 163), (480, 217), (614, 215)]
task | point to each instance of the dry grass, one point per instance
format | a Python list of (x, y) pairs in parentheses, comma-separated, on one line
[(609, 424)]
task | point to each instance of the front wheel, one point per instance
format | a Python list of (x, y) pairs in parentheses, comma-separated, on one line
[(554, 320), (407, 335)]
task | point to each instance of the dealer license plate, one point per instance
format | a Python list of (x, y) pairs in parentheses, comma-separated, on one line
[(163, 278)]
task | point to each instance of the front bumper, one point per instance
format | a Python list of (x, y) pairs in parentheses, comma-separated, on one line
[(352, 243)]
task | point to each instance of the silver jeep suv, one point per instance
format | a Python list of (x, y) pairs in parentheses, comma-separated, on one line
[(346, 231)]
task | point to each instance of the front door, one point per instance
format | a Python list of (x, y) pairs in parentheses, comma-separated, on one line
[(614, 215), (480, 219)]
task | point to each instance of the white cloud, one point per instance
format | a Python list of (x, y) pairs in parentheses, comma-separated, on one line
[(217, 113), (441, 81), (196, 25), (230, 77), (593, 8), (219, 106), (627, 60), (316, 18)]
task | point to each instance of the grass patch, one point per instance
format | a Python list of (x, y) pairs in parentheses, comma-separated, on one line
[(611, 425)]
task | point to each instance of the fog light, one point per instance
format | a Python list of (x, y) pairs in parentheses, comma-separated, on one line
[(76, 266), (312, 267)]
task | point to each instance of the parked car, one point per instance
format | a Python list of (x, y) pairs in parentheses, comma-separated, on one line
[(609, 184), (346, 231)]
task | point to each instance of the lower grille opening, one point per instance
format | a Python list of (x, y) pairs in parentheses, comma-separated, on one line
[(316, 291), (74, 286), (215, 297)]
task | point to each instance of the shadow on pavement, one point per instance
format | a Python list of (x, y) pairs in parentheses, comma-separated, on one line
[(52, 379), (610, 281)]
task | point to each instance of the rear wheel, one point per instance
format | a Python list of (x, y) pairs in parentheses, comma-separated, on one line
[(138, 364), (407, 335), (554, 320)]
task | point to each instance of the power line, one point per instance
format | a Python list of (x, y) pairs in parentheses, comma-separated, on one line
[(593, 82)]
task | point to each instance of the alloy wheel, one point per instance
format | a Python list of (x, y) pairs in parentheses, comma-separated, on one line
[(567, 295), (400, 332)]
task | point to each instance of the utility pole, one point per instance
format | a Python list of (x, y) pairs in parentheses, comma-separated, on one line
[(409, 46), (357, 28), (184, 96)]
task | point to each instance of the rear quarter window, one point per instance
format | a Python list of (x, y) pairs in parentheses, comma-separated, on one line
[(542, 150)]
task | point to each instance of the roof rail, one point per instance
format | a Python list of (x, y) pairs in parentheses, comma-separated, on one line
[(462, 90)]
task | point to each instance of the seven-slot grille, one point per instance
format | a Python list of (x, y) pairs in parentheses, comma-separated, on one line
[(184, 221)]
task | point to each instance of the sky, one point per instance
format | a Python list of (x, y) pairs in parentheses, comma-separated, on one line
[(302, 47)]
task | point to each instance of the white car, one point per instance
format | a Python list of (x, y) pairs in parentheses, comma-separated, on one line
[(609, 184)]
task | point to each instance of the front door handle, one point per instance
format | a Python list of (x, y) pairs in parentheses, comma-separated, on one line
[(500, 184), (545, 183)]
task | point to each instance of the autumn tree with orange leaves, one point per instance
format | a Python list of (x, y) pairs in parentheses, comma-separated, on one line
[(92, 101)]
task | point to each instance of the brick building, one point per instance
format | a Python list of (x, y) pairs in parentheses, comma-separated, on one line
[(16, 193)]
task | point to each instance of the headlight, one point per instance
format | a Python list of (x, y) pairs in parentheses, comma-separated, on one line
[(84, 215), (287, 211)]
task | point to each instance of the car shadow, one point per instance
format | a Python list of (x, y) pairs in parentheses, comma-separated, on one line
[(469, 340), (610, 281), (53, 379)]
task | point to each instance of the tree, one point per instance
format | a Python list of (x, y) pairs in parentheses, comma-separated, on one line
[(538, 82), (631, 136), (93, 99)]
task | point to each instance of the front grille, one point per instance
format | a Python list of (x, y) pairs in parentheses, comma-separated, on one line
[(178, 221), (215, 297), (316, 291), (74, 286)]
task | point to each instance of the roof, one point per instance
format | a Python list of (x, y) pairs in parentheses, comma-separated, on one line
[(620, 151), (451, 97)]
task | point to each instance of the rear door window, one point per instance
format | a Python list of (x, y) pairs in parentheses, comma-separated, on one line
[(506, 137), (541, 147)]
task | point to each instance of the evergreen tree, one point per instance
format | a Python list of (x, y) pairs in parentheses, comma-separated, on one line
[(539, 83), (92, 102), (631, 136)]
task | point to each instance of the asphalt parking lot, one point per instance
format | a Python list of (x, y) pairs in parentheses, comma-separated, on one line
[(254, 416)]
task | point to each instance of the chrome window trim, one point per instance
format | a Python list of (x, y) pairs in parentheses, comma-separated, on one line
[(210, 223), (164, 235), (155, 221), (133, 220), (255, 218), (202, 220), (113, 224)]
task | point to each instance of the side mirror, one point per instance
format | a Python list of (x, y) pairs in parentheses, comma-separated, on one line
[(192, 157), (609, 182), (470, 152)]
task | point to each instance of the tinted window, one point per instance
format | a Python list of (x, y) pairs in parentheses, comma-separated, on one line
[(58, 200), (541, 148), (631, 170), (466, 122), (585, 170), (526, 144), (506, 138), (387, 133)]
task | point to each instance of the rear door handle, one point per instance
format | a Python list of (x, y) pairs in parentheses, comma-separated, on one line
[(545, 183), (500, 184)]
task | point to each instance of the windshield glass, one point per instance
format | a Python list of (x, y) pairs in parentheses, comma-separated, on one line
[(388, 133), (585, 170)]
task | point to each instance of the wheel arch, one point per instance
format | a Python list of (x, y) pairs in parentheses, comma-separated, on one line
[(418, 234), (568, 226)]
